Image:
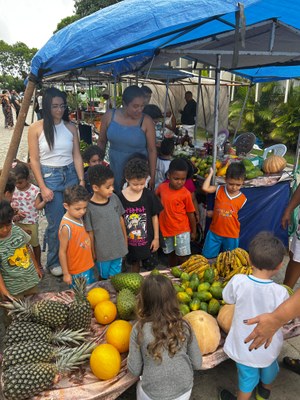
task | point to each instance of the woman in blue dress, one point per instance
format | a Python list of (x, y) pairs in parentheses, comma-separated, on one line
[(128, 132)]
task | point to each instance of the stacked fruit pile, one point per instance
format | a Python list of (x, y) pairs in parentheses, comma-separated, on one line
[(233, 262), (31, 363)]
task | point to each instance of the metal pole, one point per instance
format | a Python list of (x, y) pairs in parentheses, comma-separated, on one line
[(16, 137), (197, 109), (286, 93), (115, 92), (166, 103), (241, 113), (216, 113)]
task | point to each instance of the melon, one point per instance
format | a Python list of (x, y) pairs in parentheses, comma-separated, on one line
[(206, 330), (274, 164), (225, 317)]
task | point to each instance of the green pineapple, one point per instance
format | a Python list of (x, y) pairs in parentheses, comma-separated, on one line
[(29, 352), (80, 312), (47, 312), (25, 381), (30, 331)]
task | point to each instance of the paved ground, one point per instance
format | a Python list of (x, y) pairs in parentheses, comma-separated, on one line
[(207, 382)]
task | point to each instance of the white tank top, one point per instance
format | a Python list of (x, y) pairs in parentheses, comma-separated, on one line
[(62, 151)]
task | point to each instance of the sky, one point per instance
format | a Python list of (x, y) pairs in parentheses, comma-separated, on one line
[(32, 21)]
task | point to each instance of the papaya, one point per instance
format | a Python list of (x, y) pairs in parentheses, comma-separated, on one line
[(247, 163), (213, 307), (178, 288), (194, 304), (176, 272), (184, 309), (195, 278), (194, 284), (183, 297), (189, 291), (203, 295), (185, 276), (209, 275), (203, 306), (216, 292), (216, 284), (203, 286)]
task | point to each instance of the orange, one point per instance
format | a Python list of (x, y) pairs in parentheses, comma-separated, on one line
[(105, 361), (118, 334), (105, 312), (97, 295)]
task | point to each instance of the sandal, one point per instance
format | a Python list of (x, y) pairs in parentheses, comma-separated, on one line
[(292, 363)]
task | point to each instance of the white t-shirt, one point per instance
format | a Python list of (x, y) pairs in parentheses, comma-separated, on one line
[(252, 296)]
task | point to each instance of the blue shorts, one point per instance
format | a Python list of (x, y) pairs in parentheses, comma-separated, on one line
[(214, 244), (249, 377), (109, 268), (89, 276), (181, 244)]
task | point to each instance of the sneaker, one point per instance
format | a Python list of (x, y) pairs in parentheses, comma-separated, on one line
[(56, 271), (261, 392), (226, 395)]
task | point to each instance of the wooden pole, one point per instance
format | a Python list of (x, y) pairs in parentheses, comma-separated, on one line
[(16, 137)]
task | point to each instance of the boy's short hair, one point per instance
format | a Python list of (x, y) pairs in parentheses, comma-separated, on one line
[(74, 194), (6, 212), (21, 171), (91, 151), (99, 174), (236, 170), (266, 251), (136, 168), (178, 164), (167, 147)]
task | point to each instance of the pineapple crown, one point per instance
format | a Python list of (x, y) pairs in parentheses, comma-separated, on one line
[(72, 358)]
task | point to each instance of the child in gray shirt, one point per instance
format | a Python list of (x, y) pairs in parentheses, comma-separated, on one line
[(163, 349)]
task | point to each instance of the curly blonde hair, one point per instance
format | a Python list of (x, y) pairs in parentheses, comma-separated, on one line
[(158, 304)]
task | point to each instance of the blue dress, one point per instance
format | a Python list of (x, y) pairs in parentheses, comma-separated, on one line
[(124, 141)]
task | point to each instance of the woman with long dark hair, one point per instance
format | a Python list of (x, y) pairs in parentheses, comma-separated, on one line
[(56, 163)]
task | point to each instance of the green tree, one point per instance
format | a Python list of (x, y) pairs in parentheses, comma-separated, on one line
[(15, 59), (66, 21), (287, 120), (258, 116)]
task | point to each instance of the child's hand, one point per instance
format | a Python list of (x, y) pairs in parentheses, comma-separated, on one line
[(211, 171), (154, 245), (40, 273), (67, 279), (193, 236), (209, 213)]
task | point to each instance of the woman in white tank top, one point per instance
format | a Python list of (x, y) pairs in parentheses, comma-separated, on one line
[(56, 163)]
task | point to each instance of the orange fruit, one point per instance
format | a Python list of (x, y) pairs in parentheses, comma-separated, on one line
[(105, 361), (96, 295), (118, 334), (105, 312)]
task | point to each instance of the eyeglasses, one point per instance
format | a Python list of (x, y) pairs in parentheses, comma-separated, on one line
[(59, 106)]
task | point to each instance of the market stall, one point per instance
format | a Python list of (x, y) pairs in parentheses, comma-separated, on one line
[(82, 384)]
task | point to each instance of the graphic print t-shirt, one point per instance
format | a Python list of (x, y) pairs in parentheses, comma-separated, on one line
[(138, 220)]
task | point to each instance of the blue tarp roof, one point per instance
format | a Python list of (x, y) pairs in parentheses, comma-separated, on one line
[(129, 35)]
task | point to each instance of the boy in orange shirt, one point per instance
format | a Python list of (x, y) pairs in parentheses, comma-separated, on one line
[(75, 251), (177, 220), (224, 230)]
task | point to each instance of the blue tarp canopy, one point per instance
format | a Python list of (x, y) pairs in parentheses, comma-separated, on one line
[(130, 35)]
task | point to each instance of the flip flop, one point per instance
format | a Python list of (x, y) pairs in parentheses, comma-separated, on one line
[(292, 363)]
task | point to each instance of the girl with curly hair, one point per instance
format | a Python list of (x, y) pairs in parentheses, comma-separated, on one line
[(163, 348)]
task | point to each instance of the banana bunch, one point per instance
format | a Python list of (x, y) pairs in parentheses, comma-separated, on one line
[(196, 263), (233, 262)]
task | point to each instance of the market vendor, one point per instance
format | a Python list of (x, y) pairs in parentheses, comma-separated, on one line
[(188, 114)]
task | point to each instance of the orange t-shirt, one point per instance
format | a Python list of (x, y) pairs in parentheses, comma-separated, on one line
[(173, 219), (79, 251), (225, 217)]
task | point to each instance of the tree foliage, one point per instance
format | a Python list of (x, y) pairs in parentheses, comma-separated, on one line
[(66, 21), (15, 59)]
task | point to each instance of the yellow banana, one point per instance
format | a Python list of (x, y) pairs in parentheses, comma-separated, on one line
[(241, 255)]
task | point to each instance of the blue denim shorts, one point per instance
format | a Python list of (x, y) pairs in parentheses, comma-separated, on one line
[(109, 268), (58, 178), (214, 244), (181, 244), (249, 377)]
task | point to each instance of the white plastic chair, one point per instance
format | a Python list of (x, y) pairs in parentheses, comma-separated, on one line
[(278, 149)]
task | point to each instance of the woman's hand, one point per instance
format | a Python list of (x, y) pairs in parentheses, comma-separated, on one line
[(47, 194), (263, 333)]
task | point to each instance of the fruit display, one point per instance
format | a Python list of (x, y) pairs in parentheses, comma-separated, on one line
[(252, 172), (196, 263), (206, 330), (96, 295), (118, 335), (127, 280), (80, 312), (24, 381), (105, 312), (233, 262), (274, 164)]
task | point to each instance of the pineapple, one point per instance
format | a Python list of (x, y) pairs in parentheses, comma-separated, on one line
[(25, 381), (29, 331), (80, 312), (29, 352), (47, 312)]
